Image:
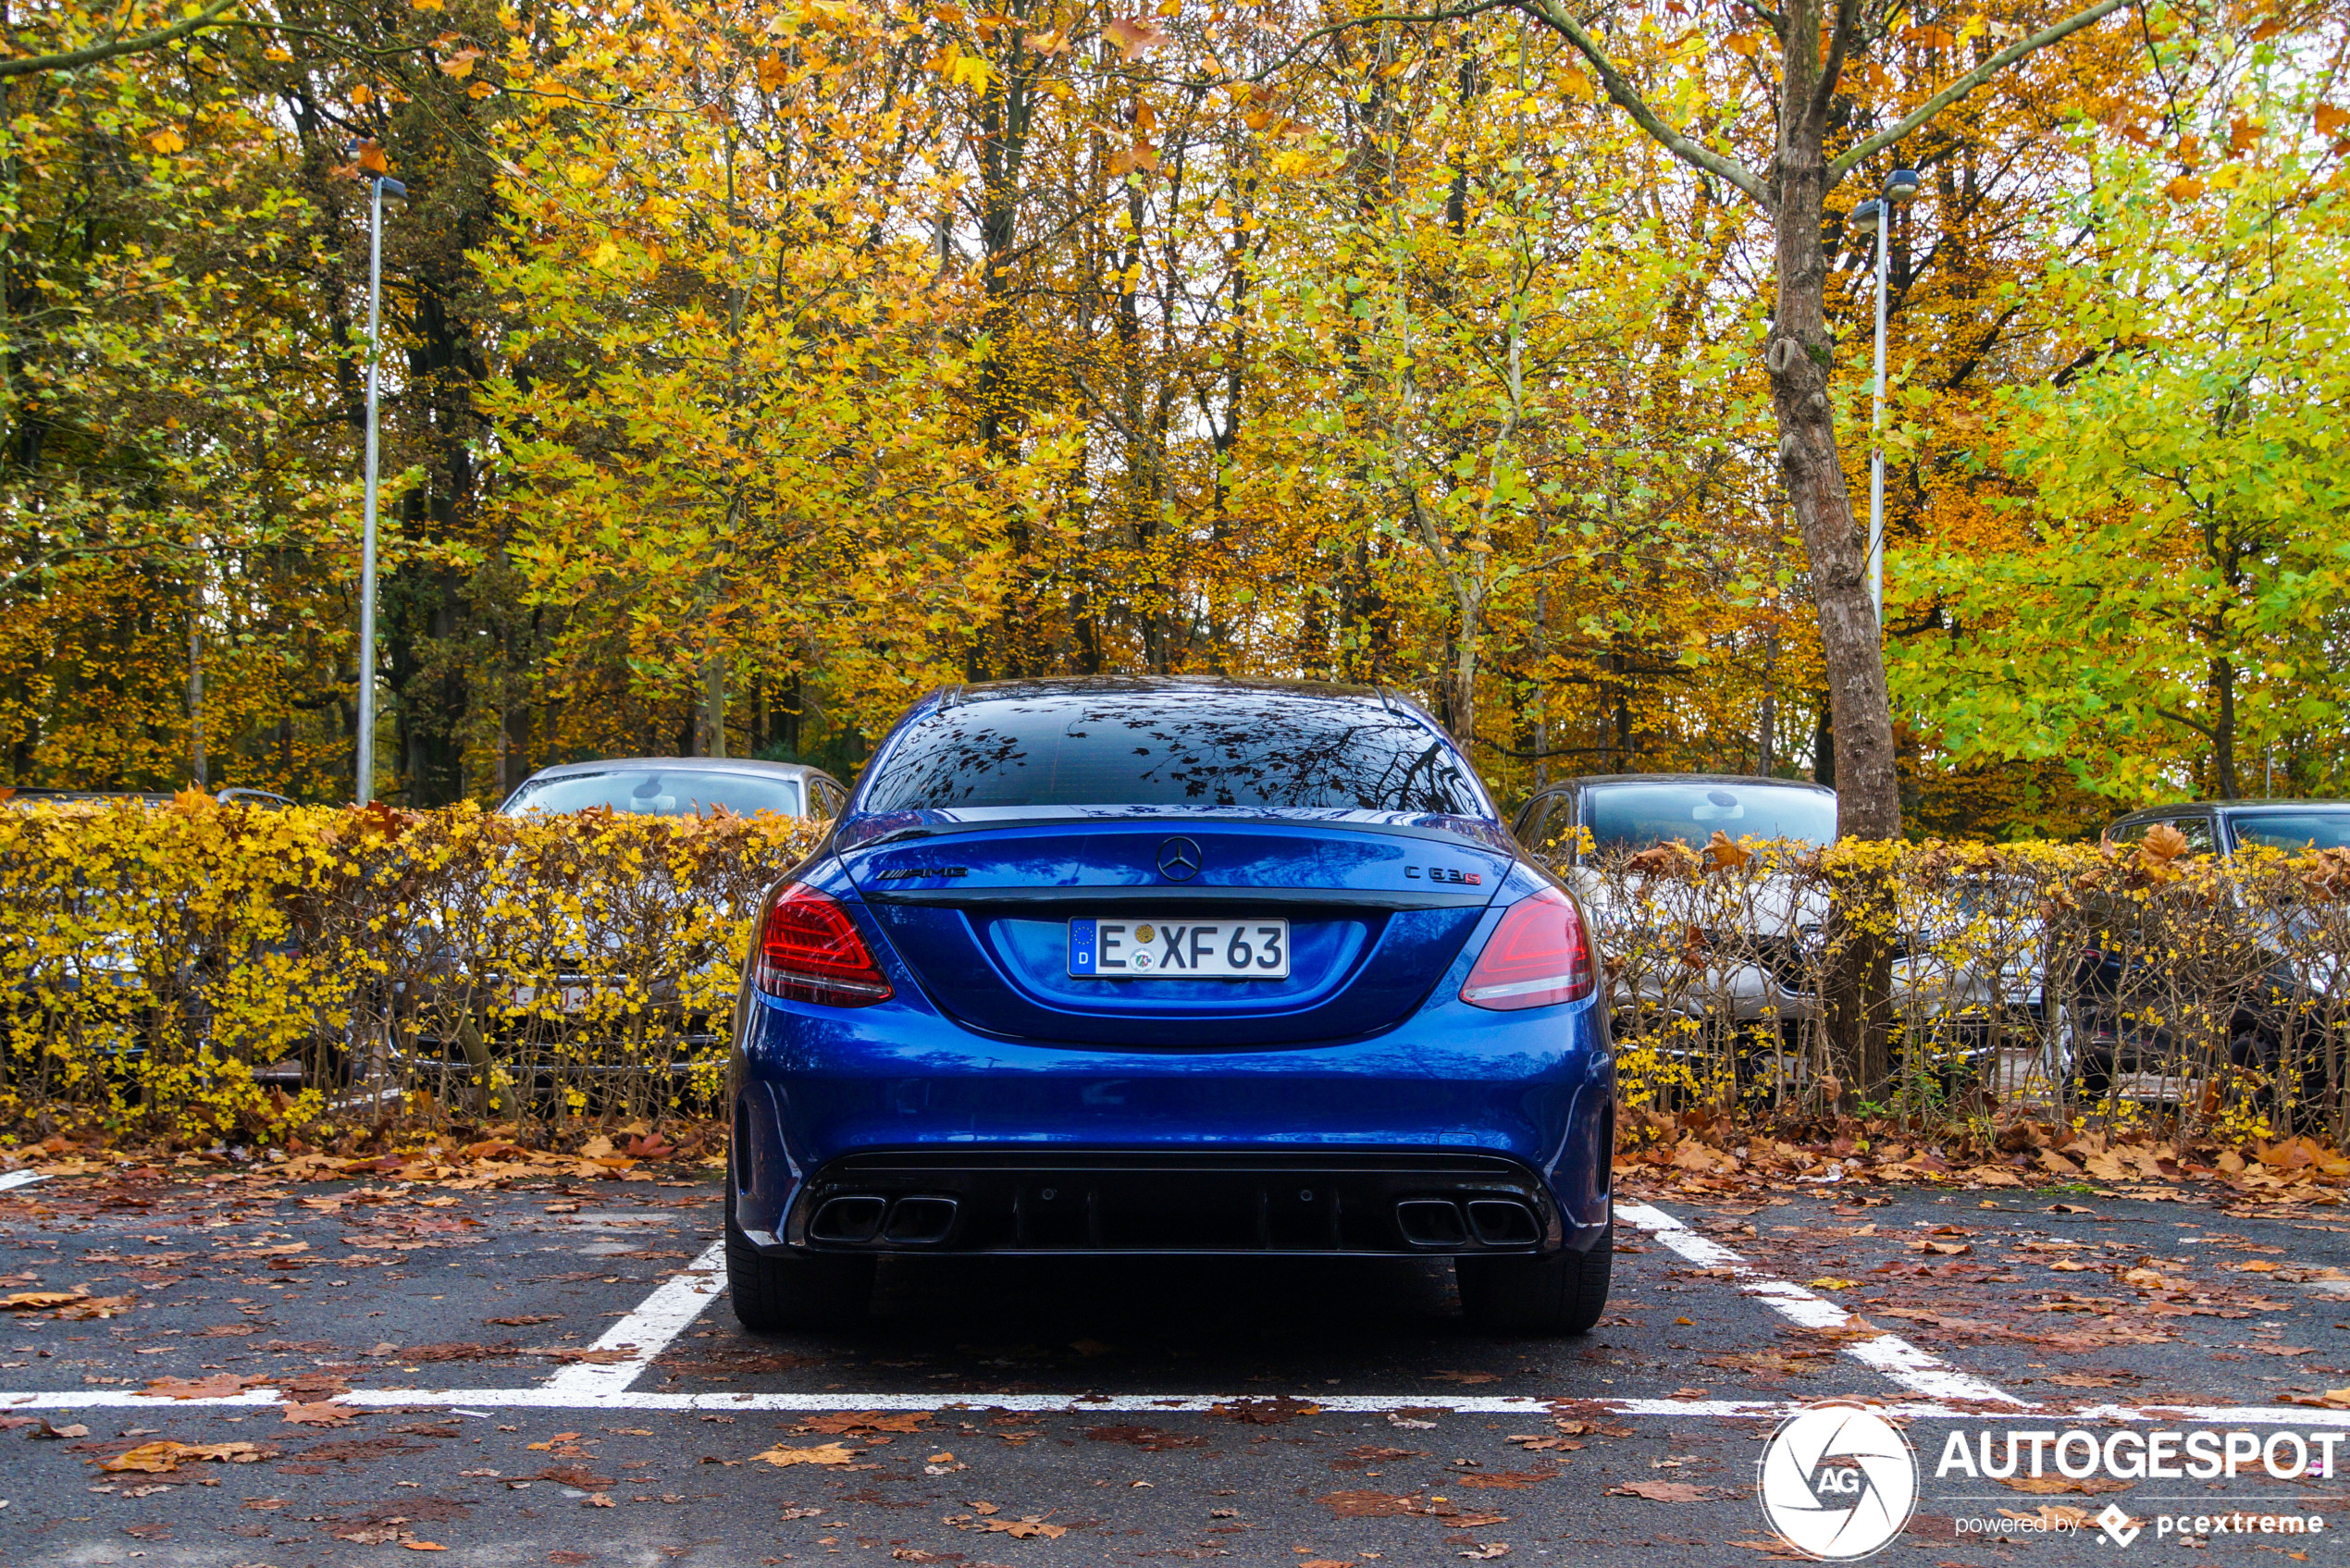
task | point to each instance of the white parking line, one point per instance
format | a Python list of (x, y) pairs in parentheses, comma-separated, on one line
[(16, 1179), (647, 1331), (541, 1397), (1902, 1361)]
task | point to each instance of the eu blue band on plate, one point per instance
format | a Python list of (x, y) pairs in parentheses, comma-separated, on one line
[(1081, 947)]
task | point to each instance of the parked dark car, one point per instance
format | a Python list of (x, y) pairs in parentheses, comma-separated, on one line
[(2221, 827), (1170, 965), (2125, 1035)]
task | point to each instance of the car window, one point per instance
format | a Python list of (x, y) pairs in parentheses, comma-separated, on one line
[(647, 792), (825, 797), (1545, 822), (2314, 828), (1175, 747), (2126, 832), (1632, 816), (2196, 830)]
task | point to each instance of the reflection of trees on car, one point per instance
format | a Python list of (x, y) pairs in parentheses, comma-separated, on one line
[(1256, 745)]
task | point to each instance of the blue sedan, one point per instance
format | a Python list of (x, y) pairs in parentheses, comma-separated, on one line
[(1165, 966)]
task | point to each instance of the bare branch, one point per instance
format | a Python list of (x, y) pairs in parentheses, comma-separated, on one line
[(1848, 19), (31, 65), (1453, 13), (1968, 84), (1552, 15)]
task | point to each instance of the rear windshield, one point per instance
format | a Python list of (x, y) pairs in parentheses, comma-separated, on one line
[(1636, 815), (647, 792), (1178, 748), (2294, 829)]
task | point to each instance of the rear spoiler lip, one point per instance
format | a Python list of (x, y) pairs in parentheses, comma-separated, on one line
[(1114, 897), (870, 832)]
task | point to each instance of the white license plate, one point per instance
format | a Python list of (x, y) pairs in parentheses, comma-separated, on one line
[(1150, 948)]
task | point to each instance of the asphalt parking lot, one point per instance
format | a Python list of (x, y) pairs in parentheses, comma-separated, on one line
[(549, 1374)]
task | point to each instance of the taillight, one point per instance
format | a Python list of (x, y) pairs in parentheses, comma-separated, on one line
[(810, 951), (1538, 955)]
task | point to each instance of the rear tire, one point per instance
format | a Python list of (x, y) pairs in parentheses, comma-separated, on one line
[(778, 1294), (1562, 1295)]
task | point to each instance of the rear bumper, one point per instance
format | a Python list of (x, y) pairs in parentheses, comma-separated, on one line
[(1085, 1202), (1172, 1151)]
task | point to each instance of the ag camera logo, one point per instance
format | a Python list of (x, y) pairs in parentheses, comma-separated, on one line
[(1838, 1483)]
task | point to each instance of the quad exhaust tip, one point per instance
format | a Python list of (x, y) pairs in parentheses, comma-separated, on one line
[(1441, 1222), (912, 1221)]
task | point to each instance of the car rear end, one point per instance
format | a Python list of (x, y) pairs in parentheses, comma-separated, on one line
[(1166, 967)]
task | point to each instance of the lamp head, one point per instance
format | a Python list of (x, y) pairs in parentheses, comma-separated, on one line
[(1901, 186), (1868, 214)]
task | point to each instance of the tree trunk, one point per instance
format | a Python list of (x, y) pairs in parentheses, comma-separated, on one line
[(2223, 729), (713, 714), (1800, 356), (1868, 793)]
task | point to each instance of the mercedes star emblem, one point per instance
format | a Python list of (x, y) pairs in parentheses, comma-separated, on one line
[(1178, 859)]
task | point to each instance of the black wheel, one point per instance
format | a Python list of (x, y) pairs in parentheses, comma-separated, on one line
[(775, 1295), (1562, 1295)]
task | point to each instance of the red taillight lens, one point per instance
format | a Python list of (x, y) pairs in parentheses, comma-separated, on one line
[(1537, 957), (808, 951)]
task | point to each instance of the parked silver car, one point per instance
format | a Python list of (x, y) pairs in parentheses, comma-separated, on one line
[(680, 787)]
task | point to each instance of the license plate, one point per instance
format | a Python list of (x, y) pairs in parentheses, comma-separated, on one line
[(1149, 948)]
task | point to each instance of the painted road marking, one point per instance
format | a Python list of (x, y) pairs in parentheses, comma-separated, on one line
[(543, 1397), (647, 1331), (1897, 1358), (16, 1179)]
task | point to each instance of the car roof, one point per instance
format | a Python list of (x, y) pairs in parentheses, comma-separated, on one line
[(1085, 686), (1697, 778), (2181, 807), (747, 765)]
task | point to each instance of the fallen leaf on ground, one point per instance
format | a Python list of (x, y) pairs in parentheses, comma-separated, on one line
[(2051, 1484), (1150, 1440), (1508, 1480), (41, 1301), (2332, 1398), (44, 1431), (1663, 1491), (823, 1453), (577, 1476), (1024, 1529), (1268, 1413), (161, 1459), (319, 1413), (1371, 1505), (869, 1421), (220, 1385)]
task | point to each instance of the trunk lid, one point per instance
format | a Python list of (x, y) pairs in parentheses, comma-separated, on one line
[(1376, 914)]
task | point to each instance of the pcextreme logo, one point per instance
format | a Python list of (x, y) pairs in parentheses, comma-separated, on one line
[(1837, 1482)]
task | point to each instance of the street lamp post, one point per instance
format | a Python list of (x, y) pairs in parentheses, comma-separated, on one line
[(378, 187), (1876, 216)]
